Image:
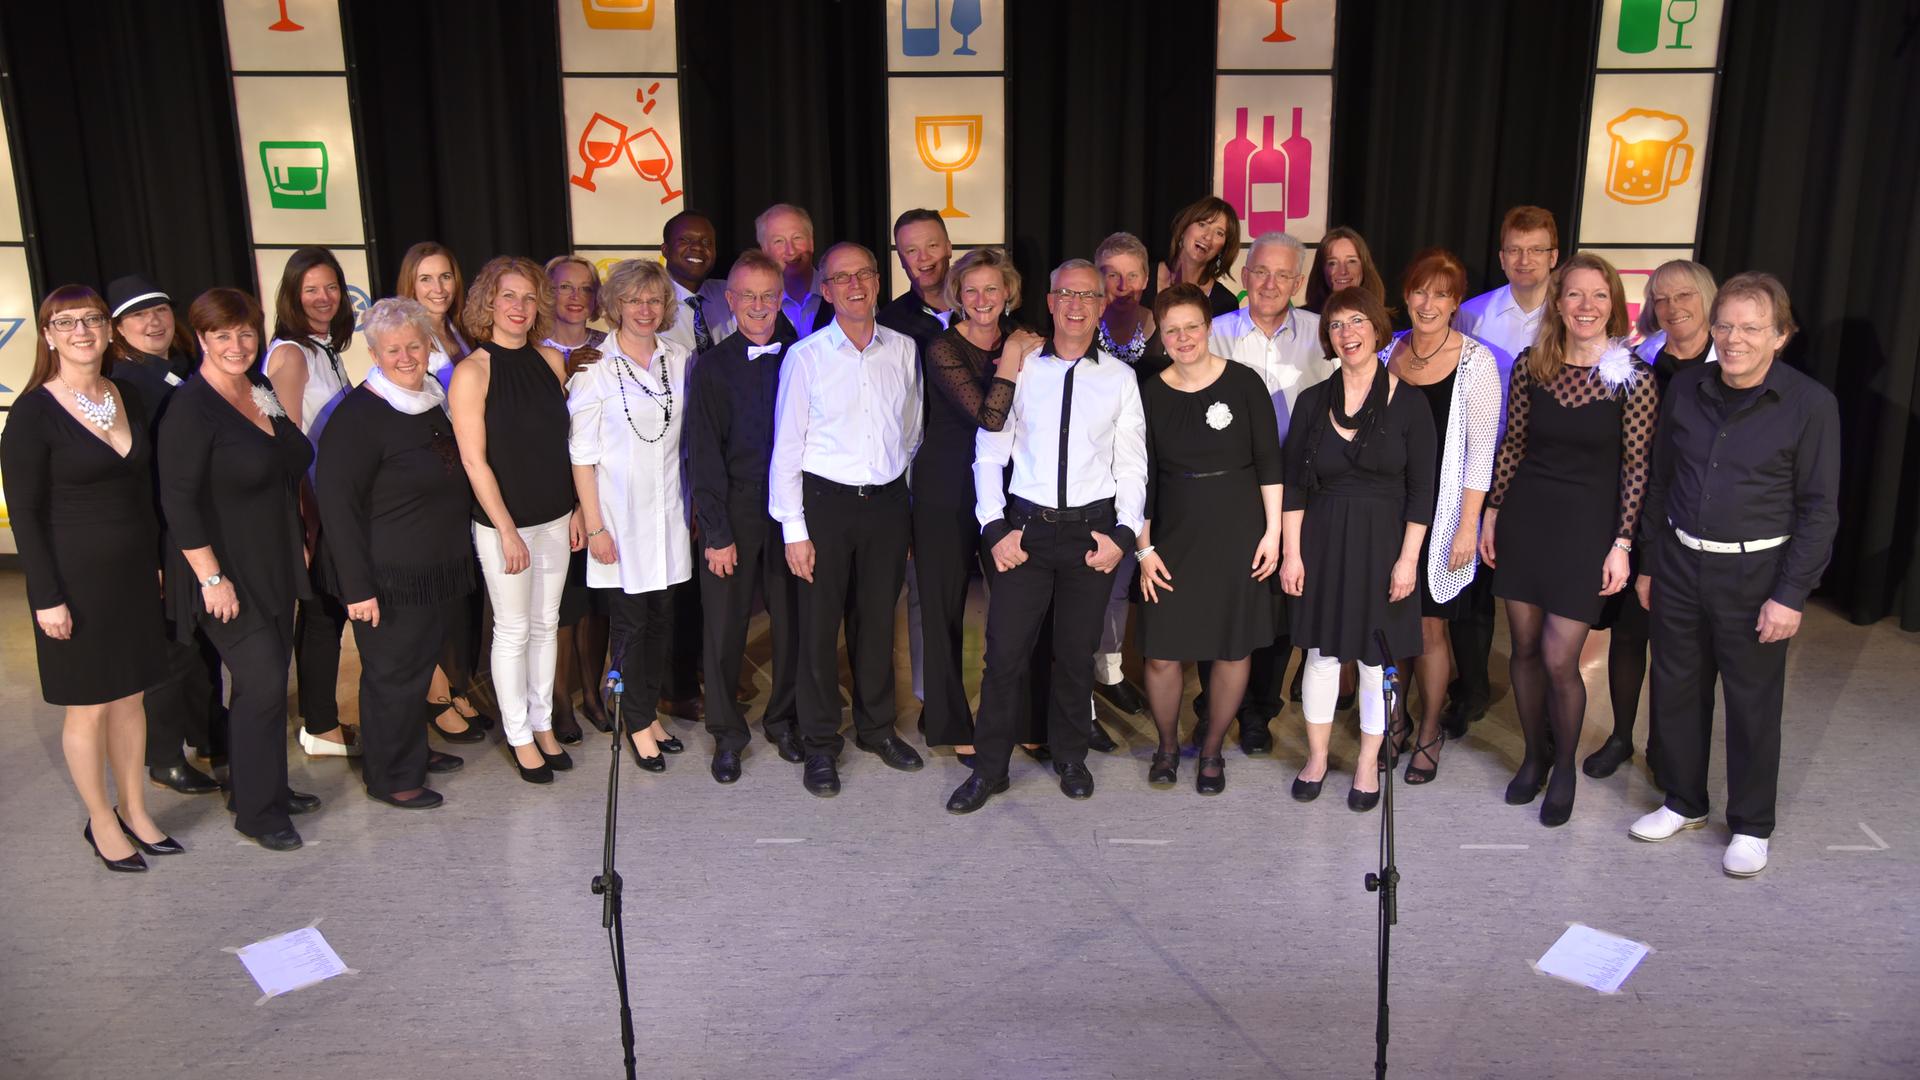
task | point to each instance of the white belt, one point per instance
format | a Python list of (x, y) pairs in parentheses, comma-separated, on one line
[(1715, 547)]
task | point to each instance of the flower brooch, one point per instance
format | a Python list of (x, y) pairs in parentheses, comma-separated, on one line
[(1219, 416), (268, 405)]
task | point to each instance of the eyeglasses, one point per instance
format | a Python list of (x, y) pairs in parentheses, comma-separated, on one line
[(1075, 294), (1746, 330), (1358, 322), (841, 280), (1516, 252), (767, 299), (66, 323), (1259, 274)]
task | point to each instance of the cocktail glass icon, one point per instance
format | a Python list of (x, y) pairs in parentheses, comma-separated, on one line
[(1647, 156), (941, 155), (285, 24), (618, 14), (296, 174), (649, 155), (599, 147)]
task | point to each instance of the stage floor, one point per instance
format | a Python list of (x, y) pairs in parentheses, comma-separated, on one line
[(1140, 934)]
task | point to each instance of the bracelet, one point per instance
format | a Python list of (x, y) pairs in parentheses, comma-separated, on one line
[(1623, 545), (1143, 552), (596, 532)]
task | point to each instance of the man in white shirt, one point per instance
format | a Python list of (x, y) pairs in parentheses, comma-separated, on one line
[(1506, 319), (847, 420), (1282, 343), (785, 231), (688, 246), (1077, 440)]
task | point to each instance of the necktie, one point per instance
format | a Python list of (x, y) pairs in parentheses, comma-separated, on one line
[(702, 337), (754, 352), (1066, 411)]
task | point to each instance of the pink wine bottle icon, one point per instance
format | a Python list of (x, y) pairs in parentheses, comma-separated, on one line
[(1299, 153), (1267, 185), (1233, 166)]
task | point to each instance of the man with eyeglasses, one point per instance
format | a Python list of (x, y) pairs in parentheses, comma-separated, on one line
[(1506, 319), (1282, 343), (785, 232), (1741, 511), (846, 423), (1076, 437)]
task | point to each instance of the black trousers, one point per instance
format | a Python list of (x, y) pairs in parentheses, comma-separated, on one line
[(460, 652), (1471, 633), (859, 565), (1704, 610), (946, 548), (641, 623), (256, 651), (1055, 577), (682, 679), (316, 652), (184, 706), (727, 605), (396, 664)]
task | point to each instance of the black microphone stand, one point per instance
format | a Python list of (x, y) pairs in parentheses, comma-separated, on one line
[(606, 884), (1387, 881)]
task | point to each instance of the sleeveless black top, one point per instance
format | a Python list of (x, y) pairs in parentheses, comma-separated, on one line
[(527, 437)]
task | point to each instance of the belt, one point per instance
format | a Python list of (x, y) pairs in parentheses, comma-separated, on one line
[(1207, 475), (861, 491), (1092, 511), (1716, 547)]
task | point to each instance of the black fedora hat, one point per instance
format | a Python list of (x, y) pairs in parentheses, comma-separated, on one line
[(126, 295)]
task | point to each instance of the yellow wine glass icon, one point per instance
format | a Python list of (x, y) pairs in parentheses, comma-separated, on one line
[(937, 153)]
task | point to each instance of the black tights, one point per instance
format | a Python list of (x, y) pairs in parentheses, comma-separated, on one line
[(1547, 688), (1626, 670), (1226, 685)]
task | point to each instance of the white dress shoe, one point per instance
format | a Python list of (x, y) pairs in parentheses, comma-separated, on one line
[(1662, 824), (1745, 857), (317, 747)]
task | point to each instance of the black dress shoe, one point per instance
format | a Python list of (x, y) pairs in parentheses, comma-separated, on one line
[(671, 744), (183, 778), (472, 733), (656, 763), (427, 799), (539, 774), (280, 840), (973, 793), (1165, 770), (1256, 739), (167, 845), (438, 762), (1075, 781), (560, 762), (1557, 807), (1098, 739), (132, 864), (1307, 790), (1526, 783), (1605, 761), (895, 752), (820, 777), (789, 746), (1122, 696), (299, 802), (726, 766), (1043, 752), (1210, 785), (1362, 801)]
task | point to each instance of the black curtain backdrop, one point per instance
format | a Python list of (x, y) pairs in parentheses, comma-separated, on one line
[(1816, 177), (124, 131), (1449, 112)]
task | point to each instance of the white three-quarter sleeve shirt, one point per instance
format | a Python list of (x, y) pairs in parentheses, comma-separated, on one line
[(626, 423)]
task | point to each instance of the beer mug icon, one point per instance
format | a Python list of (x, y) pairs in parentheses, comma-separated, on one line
[(296, 174), (1647, 156), (618, 14)]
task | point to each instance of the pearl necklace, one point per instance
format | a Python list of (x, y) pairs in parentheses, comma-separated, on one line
[(98, 413), (624, 371)]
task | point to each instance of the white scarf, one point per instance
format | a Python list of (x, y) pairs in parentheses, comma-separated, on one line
[(412, 402)]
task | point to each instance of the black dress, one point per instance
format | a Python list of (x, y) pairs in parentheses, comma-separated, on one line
[(1209, 451), (1440, 402), (1357, 513), (1571, 476), (84, 522)]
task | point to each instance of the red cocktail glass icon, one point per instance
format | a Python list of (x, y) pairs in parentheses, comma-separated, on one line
[(599, 147), (652, 160), (285, 23)]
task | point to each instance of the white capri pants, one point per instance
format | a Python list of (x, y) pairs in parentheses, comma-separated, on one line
[(1320, 689), (526, 614)]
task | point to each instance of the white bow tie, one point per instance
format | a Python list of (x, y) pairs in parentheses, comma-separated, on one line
[(757, 351)]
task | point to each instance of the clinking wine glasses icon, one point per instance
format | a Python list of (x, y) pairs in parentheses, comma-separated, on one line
[(605, 139), (940, 156)]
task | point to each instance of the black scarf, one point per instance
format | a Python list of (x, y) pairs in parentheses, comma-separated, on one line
[(1360, 449)]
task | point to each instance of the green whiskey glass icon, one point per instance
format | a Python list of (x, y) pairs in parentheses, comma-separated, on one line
[(296, 174)]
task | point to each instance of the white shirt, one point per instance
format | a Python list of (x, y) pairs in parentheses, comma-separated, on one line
[(713, 308), (852, 416), (1106, 440), (1496, 319), (327, 382), (800, 312), (639, 481), (1289, 360)]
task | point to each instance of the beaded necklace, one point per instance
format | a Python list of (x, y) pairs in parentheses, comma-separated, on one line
[(625, 371)]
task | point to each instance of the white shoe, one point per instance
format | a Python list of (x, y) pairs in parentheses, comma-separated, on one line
[(317, 747), (1745, 857), (1662, 824)]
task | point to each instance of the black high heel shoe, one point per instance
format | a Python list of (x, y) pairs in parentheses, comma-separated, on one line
[(559, 762), (1417, 775), (1210, 785), (132, 864), (1400, 733), (167, 845), (1165, 770), (538, 774), (656, 763)]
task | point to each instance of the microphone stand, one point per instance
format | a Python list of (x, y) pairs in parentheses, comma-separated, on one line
[(1387, 881), (606, 884)]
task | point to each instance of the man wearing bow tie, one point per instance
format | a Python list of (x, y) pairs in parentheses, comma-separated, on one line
[(729, 438)]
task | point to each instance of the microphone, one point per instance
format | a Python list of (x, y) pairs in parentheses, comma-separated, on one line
[(1389, 674)]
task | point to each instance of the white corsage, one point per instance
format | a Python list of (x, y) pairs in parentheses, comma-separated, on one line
[(1219, 416), (268, 405), (1617, 367)]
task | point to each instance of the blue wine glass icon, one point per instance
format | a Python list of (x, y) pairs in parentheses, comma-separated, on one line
[(965, 20)]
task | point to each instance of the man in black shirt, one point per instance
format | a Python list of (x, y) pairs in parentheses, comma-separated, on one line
[(729, 439), (1740, 516)]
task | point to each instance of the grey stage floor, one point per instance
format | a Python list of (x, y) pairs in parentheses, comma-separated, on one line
[(1141, 934)]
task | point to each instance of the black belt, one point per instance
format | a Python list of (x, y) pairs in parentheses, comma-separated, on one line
[(1211, 475), (859, 491), (1093, 511)]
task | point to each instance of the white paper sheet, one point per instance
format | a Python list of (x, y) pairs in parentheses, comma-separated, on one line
[(286, 963), (1593, 958)]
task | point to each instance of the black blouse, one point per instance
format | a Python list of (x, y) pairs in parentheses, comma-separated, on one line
[(526, 418), (963, 396), (225, 483), (393, 504)]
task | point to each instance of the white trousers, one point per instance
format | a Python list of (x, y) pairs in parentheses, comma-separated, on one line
[(526, 613), (1320, 689)]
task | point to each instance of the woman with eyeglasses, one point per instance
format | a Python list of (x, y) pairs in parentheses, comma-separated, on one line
[(1206, 241), (77, 463)]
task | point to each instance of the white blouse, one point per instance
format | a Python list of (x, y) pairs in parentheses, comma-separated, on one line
[(1466, 459), (626, 423), (327, 382)]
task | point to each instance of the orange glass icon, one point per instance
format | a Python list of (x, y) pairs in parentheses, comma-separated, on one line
[(618, 14), (285, 24), (1279, 23), (1647, 156), (964, 132)]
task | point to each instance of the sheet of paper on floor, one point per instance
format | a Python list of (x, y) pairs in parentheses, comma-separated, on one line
[(1593, 958), (286, 963)]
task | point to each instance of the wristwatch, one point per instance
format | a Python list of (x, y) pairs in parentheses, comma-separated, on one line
[(210, 581)]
